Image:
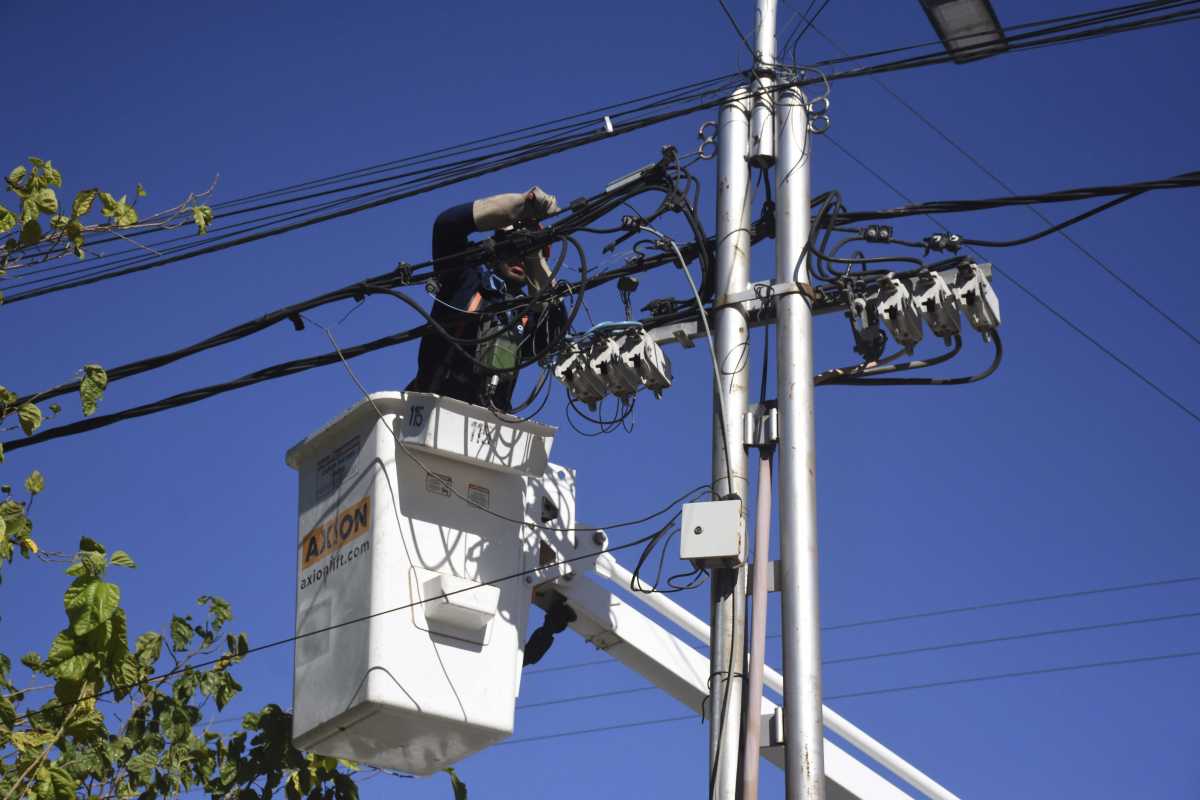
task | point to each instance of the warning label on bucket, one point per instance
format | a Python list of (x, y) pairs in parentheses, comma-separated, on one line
[(479, 495)]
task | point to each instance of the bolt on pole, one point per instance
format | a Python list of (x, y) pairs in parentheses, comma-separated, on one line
[(803, 726), (731, 334)]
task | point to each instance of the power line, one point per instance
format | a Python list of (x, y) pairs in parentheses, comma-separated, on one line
[(1019, 601), (1014, 637), (582, 731), (366, 617), (885, 690), (1032, 209), (1029, 292), (737, 28), (1020, 674), (582, 133), (1016, 601)]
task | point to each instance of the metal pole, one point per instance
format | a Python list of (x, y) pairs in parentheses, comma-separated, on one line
[(762, 131), (758, 627), (802, 719), (731, 332)]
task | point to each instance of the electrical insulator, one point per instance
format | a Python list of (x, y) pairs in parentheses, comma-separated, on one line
[(937, 304), (869, 340), (977, 299), (899, 312), (618, 362), (575, 371)]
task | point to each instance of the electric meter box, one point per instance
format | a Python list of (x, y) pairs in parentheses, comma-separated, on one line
[(416, 511)]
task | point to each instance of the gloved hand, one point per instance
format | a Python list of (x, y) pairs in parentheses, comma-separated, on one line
[(502, 210)]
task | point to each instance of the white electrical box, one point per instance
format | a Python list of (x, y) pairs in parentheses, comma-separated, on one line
[(413, 508), (713, 533)]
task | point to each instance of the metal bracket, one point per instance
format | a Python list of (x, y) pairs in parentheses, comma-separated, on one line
[(760, 426), (775, 577)]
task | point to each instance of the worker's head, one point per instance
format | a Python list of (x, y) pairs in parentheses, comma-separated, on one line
[(532, 269)]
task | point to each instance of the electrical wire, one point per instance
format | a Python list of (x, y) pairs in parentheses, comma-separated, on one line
[(1054, 228), (942, 612), (1029, 292), (737, 28), (867, 692)]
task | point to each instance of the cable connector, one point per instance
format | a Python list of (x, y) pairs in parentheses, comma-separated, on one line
[(977, 299), (403, 273), (898, 311), (877, 234), (942, 243), (938, 305)]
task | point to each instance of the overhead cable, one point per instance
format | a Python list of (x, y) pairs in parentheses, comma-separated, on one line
[(1055, 228), (1093, 191)]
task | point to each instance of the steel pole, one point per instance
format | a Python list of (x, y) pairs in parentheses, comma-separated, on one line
[(762, 130), (731, 334), (802, 719)]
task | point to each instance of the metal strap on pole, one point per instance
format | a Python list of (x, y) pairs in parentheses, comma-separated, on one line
[(802, 720), (731, 333)]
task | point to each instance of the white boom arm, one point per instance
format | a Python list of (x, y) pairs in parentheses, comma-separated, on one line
[(645, 646)]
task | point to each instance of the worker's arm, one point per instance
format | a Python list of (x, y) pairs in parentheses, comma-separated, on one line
[(454, 225)]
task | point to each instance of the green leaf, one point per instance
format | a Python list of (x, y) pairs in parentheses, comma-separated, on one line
[(141, 191), (2, 456), (53, 176), (128, 671), (90, 545), (83, 202), (91, 604), (30, 417), (29, 209), (35, 483), (31, 233), (15, 176), (181, 632), (91, 388), (148, 648), (46, 200), (62, 648), (8, 220), (31, 660), (120, 558), (460, 788), (203, 217)]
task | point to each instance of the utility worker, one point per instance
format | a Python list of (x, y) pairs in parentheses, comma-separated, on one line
[(465, 297)]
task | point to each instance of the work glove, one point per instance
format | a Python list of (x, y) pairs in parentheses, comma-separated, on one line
[(502, 210)]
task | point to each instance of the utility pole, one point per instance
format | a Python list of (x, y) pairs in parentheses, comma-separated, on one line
[(803, 726), (731, 335)]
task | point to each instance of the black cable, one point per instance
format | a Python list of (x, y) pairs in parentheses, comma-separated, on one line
[(867, 380), (1033, 296), (941, 612), (335, 626), (870, 692), (1016, 637), (737, 28), (1186, 180)]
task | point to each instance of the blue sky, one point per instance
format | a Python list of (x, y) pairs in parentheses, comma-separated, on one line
[(1063, 472)]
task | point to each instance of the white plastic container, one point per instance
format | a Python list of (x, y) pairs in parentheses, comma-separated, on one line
[(405, 538)]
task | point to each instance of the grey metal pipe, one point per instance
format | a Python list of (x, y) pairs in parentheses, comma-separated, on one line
[(731, 333), (762, 129), (802, 719), (758, 628)]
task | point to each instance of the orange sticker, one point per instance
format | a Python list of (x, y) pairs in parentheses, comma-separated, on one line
[(345, 526)]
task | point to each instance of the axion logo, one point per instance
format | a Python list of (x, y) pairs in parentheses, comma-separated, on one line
[(346, 525)]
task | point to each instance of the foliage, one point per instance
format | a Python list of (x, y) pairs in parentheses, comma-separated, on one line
[(44, 229), (74, 744), (125, 716)]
